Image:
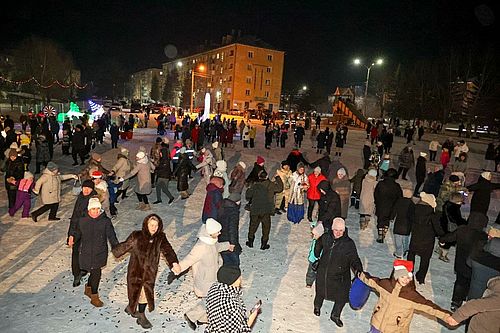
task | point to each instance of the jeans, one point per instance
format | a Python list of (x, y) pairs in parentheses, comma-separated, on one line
[(401, 242)]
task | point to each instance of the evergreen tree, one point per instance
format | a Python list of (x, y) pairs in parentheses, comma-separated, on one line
[(171, 86), (155, 89), (186, 91)]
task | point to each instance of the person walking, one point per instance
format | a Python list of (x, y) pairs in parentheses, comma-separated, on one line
[(213, 198), (182, 172), (367, 199), (313, 193), (121, 168), (420, 172), (342, 186), (404, 213), (386, 193), (338, 255), (482, 189), (14, 172), (299, 135), (329, 205), (78, 145), (229, 219), (433, 147), (143, 187), (163, 175), (299, 184), (406, 161), (145, 247)]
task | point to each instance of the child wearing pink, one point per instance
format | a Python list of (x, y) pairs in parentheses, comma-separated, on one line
[(23, 195)]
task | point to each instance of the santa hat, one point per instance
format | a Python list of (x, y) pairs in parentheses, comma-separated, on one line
[(96, 174), (212, 226), (402, 268), (260, 160)]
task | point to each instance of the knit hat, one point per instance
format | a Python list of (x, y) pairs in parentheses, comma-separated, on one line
[(260, 160), (12, 152), (494, 233), (402, 268), (428, 199), (423, 154), (235, 196), (228, 274), (221, 165), (262, 174), (372, 172), (165, 140), (285, 162), (338, 223), (88, 183), (140, 155), (124, 151), (212, 226), (454, 178), (94, 203), (215, 145), (28, 175), (341, 172), (96, 174), (318, 230), (51, 166), (95, 156), (317, 169), (242, 164), (486, 175)]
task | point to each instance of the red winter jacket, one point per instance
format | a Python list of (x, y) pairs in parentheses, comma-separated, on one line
[(313, 192)]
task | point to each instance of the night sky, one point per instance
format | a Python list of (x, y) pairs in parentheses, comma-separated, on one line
[(111, 39)]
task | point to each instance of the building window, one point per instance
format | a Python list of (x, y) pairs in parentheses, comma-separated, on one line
[(231, 66), (266, 93), (270, 57), (221, 69), (230, 78), (247, 92), (268, 82), (218, 55), (249, 67), (231, 53), (220, 81), (249, 79), (268, 69), (250, 54), (228, 104), (228, 91)]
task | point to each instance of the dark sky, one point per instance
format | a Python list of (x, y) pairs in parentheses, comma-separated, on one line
[(110, 39)]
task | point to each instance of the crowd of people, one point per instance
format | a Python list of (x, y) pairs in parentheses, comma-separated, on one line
[(419, 214)]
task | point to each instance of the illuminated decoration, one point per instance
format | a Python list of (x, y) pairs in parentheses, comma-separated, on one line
[(206, 113), (97, 109), (17, 82), (48, 109), (74, 110)]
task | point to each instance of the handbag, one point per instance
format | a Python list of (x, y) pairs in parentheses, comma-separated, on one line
[(77, 186), (295, 213)]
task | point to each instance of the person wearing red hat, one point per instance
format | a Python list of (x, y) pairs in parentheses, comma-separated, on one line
[(398, 300)]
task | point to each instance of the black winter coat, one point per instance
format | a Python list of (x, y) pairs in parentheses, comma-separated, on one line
[(163, 169), (261, 194), (78, 141), (321, 139), (482, 191), (182, 172), (420, 169), (94, 235), (425, 228), (323, 163), (467, 236), (14, 169), (254, 174), (79, 210), (329, 205), (294, 158), (404, 211), (337, 258), (433, 183), (229, 218), (387, 192), (451, 214)]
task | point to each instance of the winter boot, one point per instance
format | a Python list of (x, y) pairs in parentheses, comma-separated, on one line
[(88, 291), (264, 245), (455, 305), (381, 235), (337, 320), (143, 321), (363, 222), (129, 312), (77, 280), (95, 301), (146, 207), (443, 255), (249, 242), (140, 206)]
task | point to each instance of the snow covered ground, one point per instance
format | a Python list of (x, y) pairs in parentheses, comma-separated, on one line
[(36, 293)]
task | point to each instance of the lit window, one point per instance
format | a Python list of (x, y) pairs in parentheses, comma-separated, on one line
[(270, 57), (247, 92), (250, 54), (249, 79), (268, 69), (218, 55), (221, 69), (228, 91), (220, 81), (268, 82)]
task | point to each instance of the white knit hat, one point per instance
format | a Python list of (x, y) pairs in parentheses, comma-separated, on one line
[(372, 172), (423, 154), (428, 199), (341, 171), (243, 165), (140, 155), (212, 226), (94, 203), (338, 222), (317, 169), (486, 175)]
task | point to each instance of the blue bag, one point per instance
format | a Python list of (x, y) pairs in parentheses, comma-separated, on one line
[(295, 213), (358, 295)]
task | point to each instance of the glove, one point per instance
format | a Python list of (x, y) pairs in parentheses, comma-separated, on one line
[(171, 277)]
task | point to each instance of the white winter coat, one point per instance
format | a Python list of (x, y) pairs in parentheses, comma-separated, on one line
[(49, 186), (366, 198)]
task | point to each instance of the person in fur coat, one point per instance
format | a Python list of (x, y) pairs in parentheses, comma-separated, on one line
[(237, 178), (342, 186), (282, 198), (145, 247)]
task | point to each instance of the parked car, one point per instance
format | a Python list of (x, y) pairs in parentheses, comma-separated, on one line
[(136, 108), (157, 108), (236, 112)]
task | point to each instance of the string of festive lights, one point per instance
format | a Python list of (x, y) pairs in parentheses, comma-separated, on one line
[(17, 82)]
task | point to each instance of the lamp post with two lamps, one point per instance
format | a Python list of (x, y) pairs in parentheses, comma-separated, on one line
[(200, 73), (378, 62)]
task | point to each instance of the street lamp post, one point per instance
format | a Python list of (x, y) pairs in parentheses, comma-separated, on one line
[(368, 69), (201, 73)]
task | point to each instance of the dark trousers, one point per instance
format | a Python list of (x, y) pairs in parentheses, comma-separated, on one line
[(142, 198), (404, 171), (38, 166), (94, 279), (114, 143), (432, 155), (230, 258), (52, 207), (76, 153), (162, 186), (310, 275), (255, 220), (355, 199), (310, 209), (65, 150), (425, 259), (75, 258), (417, 188), (252, 143), (337, 307), (11, 195), (460, 289)]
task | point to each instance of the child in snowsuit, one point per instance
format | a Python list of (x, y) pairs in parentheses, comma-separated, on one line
[(23, 195), (316, 232)]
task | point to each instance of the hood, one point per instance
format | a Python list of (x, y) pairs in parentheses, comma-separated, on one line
[(145, 230), (494, 284), (423, 209), (205, 237), (120, 155), (48, 172), (477, 221)]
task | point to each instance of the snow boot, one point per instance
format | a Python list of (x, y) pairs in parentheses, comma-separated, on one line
[(146, 207), (381, 235), (443, 255), (317, 312), (363, 222), (143, 321), (249, 242), (77, 280), (129, 312), (140, 206), (88, 291), (95, 301), (337, 321), (264, 245)]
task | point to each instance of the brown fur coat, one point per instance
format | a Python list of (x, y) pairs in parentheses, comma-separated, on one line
[(144, 260)]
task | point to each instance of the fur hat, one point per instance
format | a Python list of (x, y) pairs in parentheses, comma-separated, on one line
[(402, 268), (212, 226), (428, 199), (423, 154), (215, 145), (228, 274), (51, 166), (242, 164), (124, 152), (94, 203), (140, 155), (260, 160), (486, 175)]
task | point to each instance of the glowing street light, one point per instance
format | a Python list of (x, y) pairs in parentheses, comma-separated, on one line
[(304, 88), (200, 72), (179, 63), (378, 62)]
